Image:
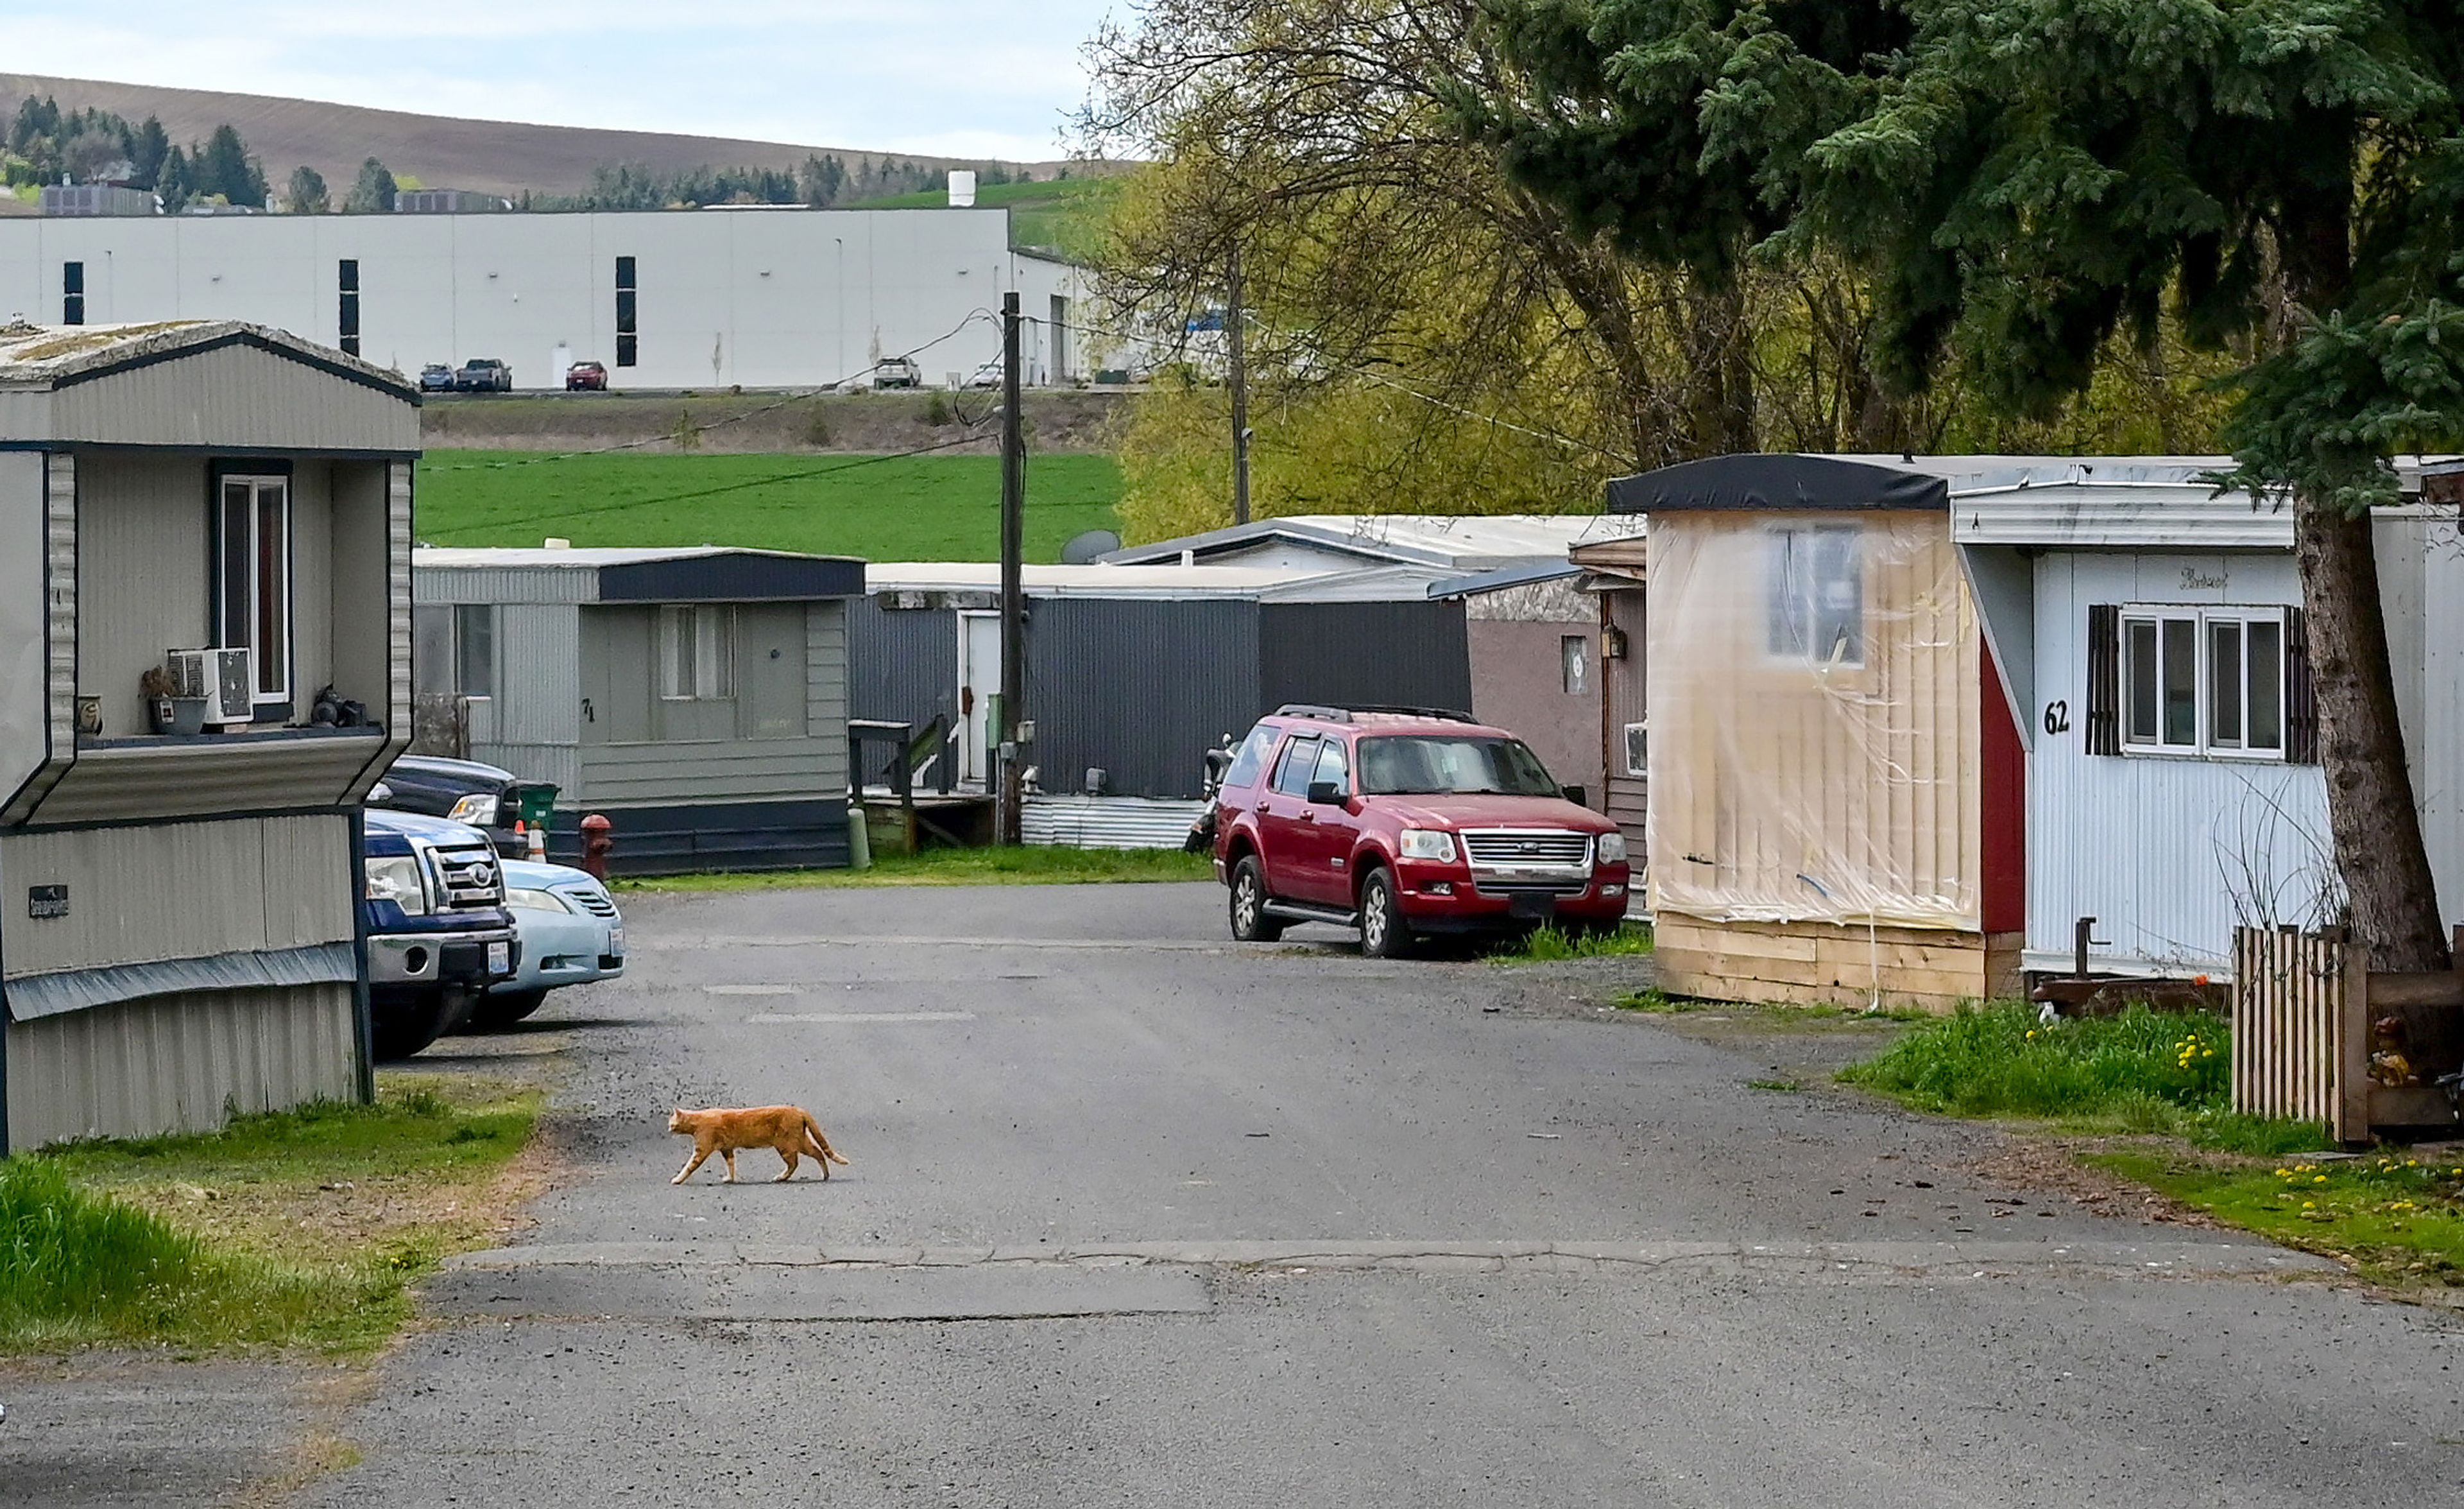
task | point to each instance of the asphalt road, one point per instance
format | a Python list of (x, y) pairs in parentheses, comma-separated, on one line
[(1137, 1217)]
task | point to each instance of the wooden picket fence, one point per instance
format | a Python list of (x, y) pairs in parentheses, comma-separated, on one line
[(2302, 1003)]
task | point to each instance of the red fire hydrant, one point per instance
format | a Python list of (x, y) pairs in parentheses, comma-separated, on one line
[(598, 841)]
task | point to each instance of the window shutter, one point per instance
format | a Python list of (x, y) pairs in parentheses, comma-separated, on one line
[(2105, 678), (2301, 704)]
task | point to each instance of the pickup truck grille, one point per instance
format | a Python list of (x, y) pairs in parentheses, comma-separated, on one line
[(469, 879), (1538, 849)]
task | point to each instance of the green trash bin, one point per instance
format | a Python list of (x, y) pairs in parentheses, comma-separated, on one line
[(534, 804)]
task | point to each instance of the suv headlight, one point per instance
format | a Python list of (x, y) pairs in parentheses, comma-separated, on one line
[(478, 809), (1612, 848), (397, 879), (1429, 843), (528, 900)]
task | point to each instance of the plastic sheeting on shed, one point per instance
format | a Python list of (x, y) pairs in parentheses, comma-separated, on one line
[(1815, 737)]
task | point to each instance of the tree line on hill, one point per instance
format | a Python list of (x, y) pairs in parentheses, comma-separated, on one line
[(47, 144)]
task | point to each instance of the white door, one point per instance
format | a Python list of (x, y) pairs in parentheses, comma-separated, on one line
[(559, 363), (979, 684)]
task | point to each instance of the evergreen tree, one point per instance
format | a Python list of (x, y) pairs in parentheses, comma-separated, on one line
[(307, 195), (2023, 180), (147, 151), (373, 192), (224, 167), (176, 184)]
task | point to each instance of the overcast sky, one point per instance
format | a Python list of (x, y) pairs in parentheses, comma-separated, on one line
[(969, 78)]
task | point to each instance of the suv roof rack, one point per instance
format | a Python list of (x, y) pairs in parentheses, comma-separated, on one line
[(1344, 715)]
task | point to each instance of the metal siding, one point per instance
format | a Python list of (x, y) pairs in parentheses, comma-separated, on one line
[(902, 663), (177, 1063), (717, 770), (60, 631), (1519, 682), (311, 583), (1106, 822), (558, 765), (826, 670), (1138, 688), (143, 895), (2153, 516), (2166, 854), (358, 595), (538, 673), (25, 716), (231, 397), (203, 777), (144, 565), (1406, 653), (738, 578), (2421, 566), (658, 839), (507, 583)]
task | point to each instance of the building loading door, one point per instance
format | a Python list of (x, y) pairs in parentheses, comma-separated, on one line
[(980, 674)]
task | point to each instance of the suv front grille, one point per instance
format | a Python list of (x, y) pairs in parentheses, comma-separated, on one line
[(469, 879), (1539, 850)]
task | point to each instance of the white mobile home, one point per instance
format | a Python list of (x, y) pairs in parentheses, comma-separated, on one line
[(698, 697), (180, 933), (2150, 638)]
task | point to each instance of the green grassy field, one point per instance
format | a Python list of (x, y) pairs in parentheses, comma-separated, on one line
[(919, 508), (1061, 214)]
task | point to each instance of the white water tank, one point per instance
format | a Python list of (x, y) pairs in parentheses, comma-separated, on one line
[(962, 187)]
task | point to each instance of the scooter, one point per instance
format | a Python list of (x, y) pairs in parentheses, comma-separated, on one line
[(1202, 832)]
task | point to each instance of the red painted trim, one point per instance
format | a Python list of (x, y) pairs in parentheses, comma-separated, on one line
[(2003, 795)]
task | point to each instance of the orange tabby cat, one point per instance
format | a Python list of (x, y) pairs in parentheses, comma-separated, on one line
[(791, 1131)]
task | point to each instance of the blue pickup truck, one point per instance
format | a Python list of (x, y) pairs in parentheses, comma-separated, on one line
[(439, 934)]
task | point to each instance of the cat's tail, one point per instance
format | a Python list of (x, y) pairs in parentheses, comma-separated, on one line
[(822, 1147)]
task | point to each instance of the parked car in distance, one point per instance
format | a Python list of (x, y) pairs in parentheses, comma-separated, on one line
[(437, 378), (1404, 823), (988, 375), (586, 377), (483, 797), (484, 374), (896, 372), (571, 934), (434, 895)]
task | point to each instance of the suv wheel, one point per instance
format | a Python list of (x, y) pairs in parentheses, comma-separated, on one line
[(1383, 932), (1250, 924)]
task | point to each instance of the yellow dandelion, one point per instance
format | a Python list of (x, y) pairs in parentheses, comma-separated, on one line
[(2317, 1179)]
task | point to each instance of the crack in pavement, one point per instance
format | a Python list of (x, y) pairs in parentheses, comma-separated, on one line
[(1978, 1259)]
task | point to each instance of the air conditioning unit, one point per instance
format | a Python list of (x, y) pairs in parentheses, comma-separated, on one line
[(225, 678)]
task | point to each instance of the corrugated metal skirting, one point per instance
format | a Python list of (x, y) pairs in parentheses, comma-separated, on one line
[(1106, 822), (178, 1063)]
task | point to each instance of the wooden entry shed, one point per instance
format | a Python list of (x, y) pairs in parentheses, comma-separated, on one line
[(1837, 786)]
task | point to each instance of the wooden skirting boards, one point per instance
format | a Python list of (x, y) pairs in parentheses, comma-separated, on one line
[(1823, 963)]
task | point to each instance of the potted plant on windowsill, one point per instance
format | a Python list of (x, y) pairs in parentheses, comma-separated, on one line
[(168, 712)]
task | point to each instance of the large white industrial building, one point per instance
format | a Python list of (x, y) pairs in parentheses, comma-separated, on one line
[(686, 299)]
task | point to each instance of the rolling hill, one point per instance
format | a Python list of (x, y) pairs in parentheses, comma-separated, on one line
[(502, 157)]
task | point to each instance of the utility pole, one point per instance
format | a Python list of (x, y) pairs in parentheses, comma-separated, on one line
[(1236, 328), (1007, 821)]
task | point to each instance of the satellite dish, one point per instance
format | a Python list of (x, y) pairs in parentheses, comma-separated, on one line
[(1084, 551)]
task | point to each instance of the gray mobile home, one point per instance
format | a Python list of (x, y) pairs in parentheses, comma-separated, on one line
[(696, 697), (1135, 671), (179, 929)]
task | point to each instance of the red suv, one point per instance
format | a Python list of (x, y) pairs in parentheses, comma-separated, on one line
[(1406, 821)]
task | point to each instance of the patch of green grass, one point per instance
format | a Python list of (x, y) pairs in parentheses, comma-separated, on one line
[(2141, 1071), (918, 508), (1657, 1002), (2393, 1219), (1549, 945), (1035, 865), (1064, 214), (297, 1229)]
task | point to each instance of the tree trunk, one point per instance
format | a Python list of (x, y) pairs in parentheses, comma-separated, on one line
[(2377, 828)]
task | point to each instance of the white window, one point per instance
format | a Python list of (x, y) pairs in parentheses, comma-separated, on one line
[(453, 650), (253, 577), (698, 653), (1574, 664), (1638, 750), (1816, 593), (2204, 681)]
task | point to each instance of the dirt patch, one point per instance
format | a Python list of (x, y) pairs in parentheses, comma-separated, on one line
[(2052, 1166), (1059, 422)]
